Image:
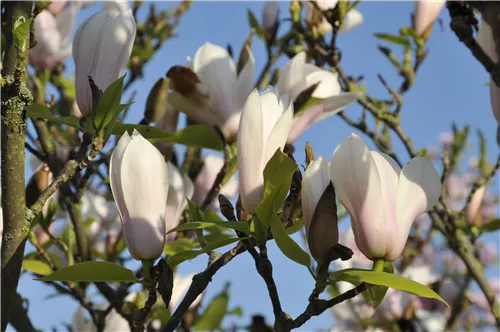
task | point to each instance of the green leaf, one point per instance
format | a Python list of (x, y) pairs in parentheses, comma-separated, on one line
[(288, 246), (200, 136), (179, 245), (254, 24), (393, 39), (237, 225), (109, 104), (357, 276), (180, 257), (37, 267), (92, 272), (212, 317), (37, 111), (491, 226), (21, 32), (374, 294), (195, 212), (277, 180), (390, 55)]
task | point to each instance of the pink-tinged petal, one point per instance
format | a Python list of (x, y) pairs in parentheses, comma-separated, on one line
[(353, 18), (206, 178), (328, 82), (66, 20), (175, 198), (270, 14), (337, 104), (357, 184), (188, 188), (418, 191), (181, 286), (315, 180), (144, 183), (250, 152), (485, 40), (216, 69), (281, 130), (292, 76), (426, 12)]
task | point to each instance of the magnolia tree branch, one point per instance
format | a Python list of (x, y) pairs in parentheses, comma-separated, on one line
[(199, 284), (16, 98)]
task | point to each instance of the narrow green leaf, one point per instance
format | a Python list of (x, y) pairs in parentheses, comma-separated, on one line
[(179, 245), (356, 276), (277, 180), (239, 226), (393, 39), (92, 272), (37, 267), (254, 24), (37, 111), (109, 104), (180, 257), (195, 212), (288, 246), (201, 136), (212, 317), (491, 226)]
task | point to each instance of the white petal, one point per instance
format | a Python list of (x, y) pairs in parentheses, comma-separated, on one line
[(485, 40), (419, 188), (357, 183), (216, 69), (175, 198), (144, 183), (115, 171), (250, 152), (328, 82), (280, 132), (292, 76), (316, 179), (244, 83), (351, 20)]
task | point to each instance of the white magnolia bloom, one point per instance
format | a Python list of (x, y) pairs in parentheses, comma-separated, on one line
[(114, 322), (181, 286), (265, 124), (382, 199), (139, 182), (101, 49), (227, 91), (426, 12), (298, 76)]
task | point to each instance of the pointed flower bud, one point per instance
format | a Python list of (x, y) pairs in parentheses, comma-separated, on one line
[(264, 126), (180, 187), (426, 12), (486, 41), (101, 49), (319, 209), (473, 213), (270, 16), (139, 182), (226, 90), (382, 199)]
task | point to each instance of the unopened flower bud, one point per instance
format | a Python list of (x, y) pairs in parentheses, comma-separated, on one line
[(139, 182), (319, 209), (101, 50), (156, 104), (426, 12), (270, 16)]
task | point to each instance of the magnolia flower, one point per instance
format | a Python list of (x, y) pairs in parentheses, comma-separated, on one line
[(264, 126), (358, 260), (298, 76), (426, 12), (115, 6), (227, 91), (114, 321), (180, 187), (206, 178), (352, 19), (486, 41), (101, 49), (168, 122), (53, 33), (139, 182), (320, 211), (382, 199)]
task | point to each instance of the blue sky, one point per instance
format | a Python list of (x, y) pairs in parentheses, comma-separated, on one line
[(449, 88)]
